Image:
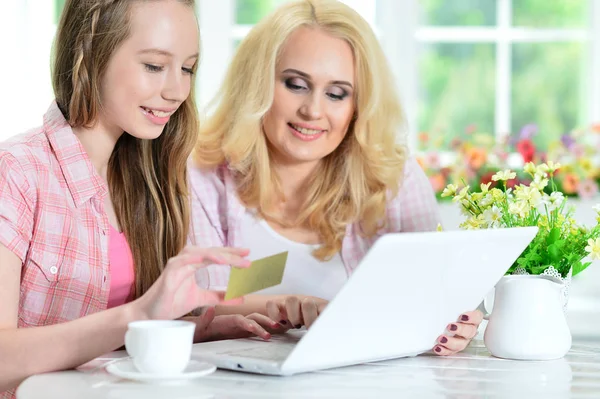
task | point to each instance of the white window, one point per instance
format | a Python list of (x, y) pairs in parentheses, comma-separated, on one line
[(490, 66), (27, 29)]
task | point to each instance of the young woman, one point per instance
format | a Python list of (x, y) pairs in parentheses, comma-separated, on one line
[(94, 208), (305, 153)]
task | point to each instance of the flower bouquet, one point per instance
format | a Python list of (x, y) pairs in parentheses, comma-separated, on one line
[(561, 245)]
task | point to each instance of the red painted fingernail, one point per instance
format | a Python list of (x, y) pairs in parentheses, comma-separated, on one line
[(464, 317), (438, 349), (283, 322), (443, 340), (453, 327)]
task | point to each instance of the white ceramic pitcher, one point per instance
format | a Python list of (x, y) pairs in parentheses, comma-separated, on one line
[(527, 321)]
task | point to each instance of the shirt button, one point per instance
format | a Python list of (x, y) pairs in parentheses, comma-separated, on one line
[(53, 270)]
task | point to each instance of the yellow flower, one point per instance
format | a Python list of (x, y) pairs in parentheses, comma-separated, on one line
[(504, 175), (463, 194), (476, 197), (597, 209), (586, 165), (549, 167), (473, 223), (530, 195), (553, 167), (530, 168), (567, 169), (593, 248), (539, 183), (485, 187), (439, 227), (450, 190), (497, 194), (519, 208)]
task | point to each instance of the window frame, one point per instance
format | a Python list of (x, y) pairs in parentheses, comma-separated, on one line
[(401, 41)]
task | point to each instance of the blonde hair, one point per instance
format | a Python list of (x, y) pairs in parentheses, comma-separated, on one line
[(354, 180), (147, 179)]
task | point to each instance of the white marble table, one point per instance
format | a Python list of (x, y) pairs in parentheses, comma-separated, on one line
[(472, 374)]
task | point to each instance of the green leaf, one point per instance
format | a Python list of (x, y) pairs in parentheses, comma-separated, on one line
[(554, 254), (539, 269), (553, 236), (579, 267)]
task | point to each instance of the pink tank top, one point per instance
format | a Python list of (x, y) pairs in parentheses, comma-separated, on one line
[(122, 275)]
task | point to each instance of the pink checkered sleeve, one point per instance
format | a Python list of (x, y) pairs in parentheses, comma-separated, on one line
[(208, 221), (16, 215), (415, 205)]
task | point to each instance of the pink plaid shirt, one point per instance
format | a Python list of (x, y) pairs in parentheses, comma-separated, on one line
[(52, 217), (217, 214)]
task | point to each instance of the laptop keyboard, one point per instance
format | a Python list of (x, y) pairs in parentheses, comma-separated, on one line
[(268, 352), (277, 349)]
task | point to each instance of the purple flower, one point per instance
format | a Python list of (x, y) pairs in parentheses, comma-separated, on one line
[(567, 140), (528, 131)]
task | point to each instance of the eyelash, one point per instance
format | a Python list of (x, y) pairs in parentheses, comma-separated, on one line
[(153, 68), (156, 68), (334, 97)]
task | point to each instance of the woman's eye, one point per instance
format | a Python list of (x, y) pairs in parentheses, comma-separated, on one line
[(337, 96), (295, 84), (153, 68)]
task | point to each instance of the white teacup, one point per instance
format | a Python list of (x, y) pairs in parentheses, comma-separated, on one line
[(160, 346)]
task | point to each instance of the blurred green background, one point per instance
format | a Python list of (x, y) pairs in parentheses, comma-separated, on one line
[(457, 80), (457, 87)]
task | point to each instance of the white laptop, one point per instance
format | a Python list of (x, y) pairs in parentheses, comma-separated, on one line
[(404, 293)]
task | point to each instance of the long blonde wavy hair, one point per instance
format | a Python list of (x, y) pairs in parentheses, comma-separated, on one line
[(147, 179), (354, 181)]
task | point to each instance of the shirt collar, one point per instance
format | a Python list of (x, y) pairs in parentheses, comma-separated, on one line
[(82, 179)]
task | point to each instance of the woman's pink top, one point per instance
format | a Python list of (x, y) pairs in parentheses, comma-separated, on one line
[(122, 275)]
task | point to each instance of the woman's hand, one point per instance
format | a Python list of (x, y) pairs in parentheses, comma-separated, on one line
[(295, 311), (176, 292), (459, 334), (211, 328)]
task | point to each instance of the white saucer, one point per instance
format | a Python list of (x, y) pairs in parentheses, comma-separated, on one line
[(126, 369)]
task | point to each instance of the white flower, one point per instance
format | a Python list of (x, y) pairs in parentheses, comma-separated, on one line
[(493, 216), (487, 200), (519, 208), (556, 200), (593, 248), (504, 175), (550, 202)]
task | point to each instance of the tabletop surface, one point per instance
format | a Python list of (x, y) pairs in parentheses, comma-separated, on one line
[(471, 374)]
